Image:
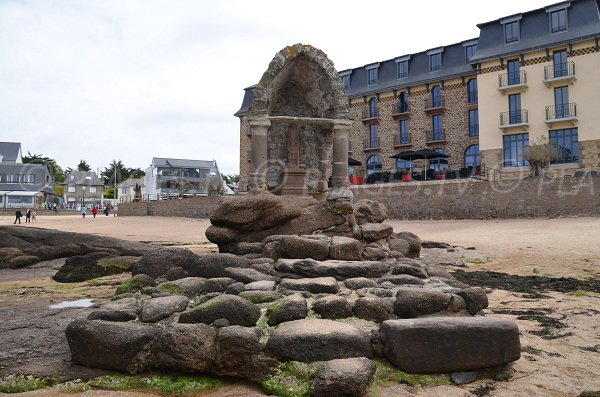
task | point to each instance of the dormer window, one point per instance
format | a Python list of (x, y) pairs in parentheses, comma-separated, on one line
[(402, 66), (345, 76), (470, 51), (372, 73), (435, 59), (558, 17), (512, 29)]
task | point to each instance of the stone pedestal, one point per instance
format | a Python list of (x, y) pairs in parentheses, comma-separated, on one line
[(294, 182), (339, 178)]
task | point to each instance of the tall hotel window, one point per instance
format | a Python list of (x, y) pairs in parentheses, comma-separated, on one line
[(435, 62), (513, 149), (470, 51), (559, 63), (567, 143), (404, 137), (402, 69), (346, 81), (472, 91), (372, 76)]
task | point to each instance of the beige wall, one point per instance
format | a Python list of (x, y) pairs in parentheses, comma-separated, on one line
[(584, 92)]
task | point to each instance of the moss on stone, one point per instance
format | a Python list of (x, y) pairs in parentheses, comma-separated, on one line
[(171, 289), (21, 383), (292, 379), (260, 296), (173, 384), (116, 263), (386, 374), (130, 286)]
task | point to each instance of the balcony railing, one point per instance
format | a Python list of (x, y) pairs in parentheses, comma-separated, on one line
[(400, 140), (559, 72), (509, 81), (368, 114), (474, 130), (400, 108), (564, 112), (436, 135), (434, 103), (370, 144), (514, 118)]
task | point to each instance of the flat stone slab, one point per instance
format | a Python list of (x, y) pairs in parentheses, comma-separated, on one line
[(450, 344), (376, 231), (237, 310), (318, 285), (311, 340), (341, 270), (156, 309)]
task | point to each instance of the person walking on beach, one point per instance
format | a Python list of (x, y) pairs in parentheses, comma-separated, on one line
[(83, 212), (28, 215), (94, 211), (18, 215), (33, 214)]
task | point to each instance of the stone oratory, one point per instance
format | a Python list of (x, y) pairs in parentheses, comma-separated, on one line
[(299, 123)]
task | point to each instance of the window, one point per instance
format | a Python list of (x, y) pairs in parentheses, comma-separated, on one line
[(373, 139), (404, 137), (346, 81), (558, 20), (559, 63), (72, 177), (436, 97), (372, 76), (402, 69), (470, 51), (439, 163), (438, 132), (472, 94), (28, 178), (71, 189), (92, 189), (561, 102), (12, 178), (402, 165), (472, 156), (567, 143), (123, 190), (403, 102), (374, 165), (513, 149), (511, 32), (435, 62), (474, 122), (514, 71), (373, 111), (514, 109)]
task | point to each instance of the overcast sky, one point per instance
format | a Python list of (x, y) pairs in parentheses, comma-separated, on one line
[(135, 79)]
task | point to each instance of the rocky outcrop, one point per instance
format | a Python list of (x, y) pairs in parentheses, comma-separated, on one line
[(23, 246), (238, 311), (98, 264)]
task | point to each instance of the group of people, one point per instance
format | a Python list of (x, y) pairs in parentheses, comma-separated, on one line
[(95, 210), (29, 216)]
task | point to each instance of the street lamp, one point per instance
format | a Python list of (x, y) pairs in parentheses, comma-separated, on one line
[(83, 198)]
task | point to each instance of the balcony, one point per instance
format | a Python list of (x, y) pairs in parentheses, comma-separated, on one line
[(474, 130), (565, 112), (370, 115), (400, 110), (371, 144), (514, 119), (561, 72), (512, 81), (402, 141), (436, 136), (435, 105)]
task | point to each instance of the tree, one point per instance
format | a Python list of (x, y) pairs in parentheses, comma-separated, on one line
[(55, 170), (83, 166), (109, 193), (540, 155), (183, 185), (122, 173), (231, 178)]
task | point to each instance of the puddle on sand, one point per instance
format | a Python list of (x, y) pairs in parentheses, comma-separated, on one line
[(77, 303)]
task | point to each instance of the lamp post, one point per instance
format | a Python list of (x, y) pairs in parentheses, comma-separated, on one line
[(83, 197)]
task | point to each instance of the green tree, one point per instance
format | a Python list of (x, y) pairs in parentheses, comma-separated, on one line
[(55, 170), (109, 192), (136, 173), (83, 166), (115, 173)]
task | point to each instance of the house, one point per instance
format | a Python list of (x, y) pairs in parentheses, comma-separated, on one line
[(174, 177), (126, 190), (83, 188), (479, 101), (22, 185)]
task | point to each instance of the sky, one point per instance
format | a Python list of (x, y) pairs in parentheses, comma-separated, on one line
[(104, 80)]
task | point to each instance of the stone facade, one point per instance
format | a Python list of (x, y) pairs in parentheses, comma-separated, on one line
[(455, 124)]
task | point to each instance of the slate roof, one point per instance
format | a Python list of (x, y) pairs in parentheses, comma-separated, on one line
[(10, 151), (80, 178), (39, 171), (131, 182), (583, 21), (182, 163)]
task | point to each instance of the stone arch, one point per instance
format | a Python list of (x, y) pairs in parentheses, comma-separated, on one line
[(300, 81)]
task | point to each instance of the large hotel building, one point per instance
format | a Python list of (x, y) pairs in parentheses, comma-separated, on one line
[(479, 102)]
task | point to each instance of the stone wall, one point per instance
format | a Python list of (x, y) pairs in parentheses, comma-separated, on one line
[(477, 199), (193, 207)]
